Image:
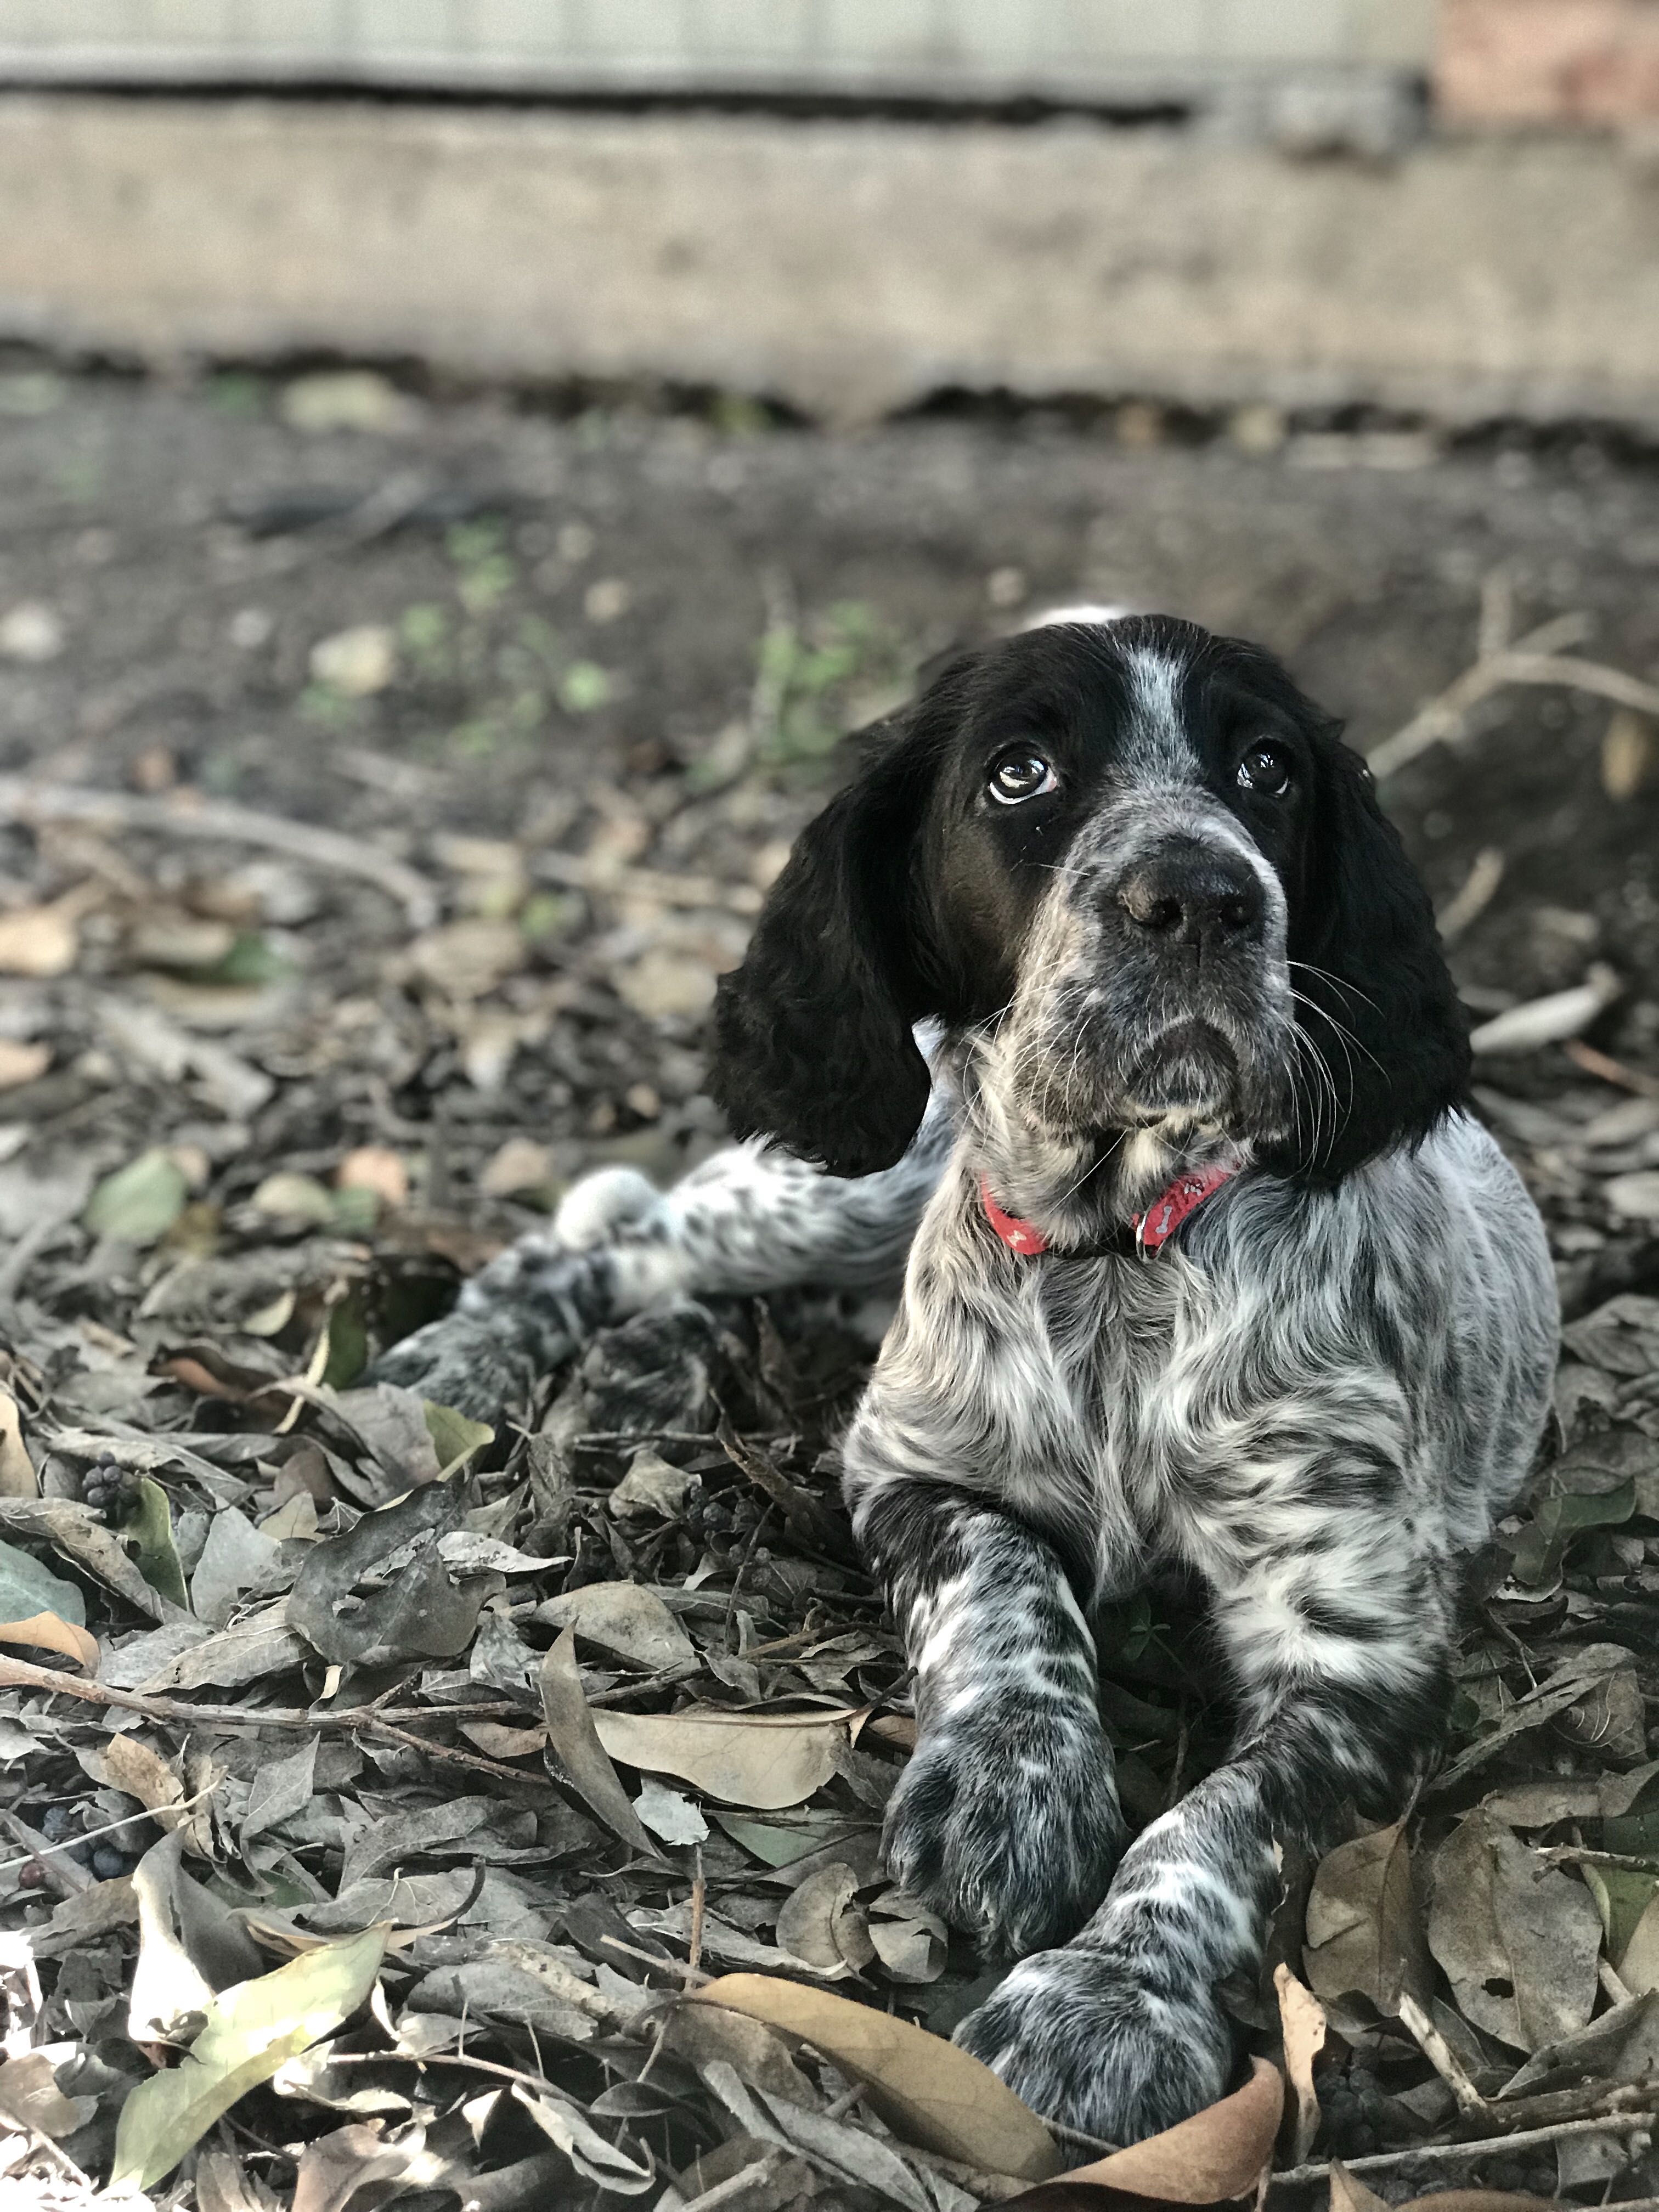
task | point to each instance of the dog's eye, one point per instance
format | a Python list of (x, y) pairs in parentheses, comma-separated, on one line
[(1020, 775), (1265, 769)]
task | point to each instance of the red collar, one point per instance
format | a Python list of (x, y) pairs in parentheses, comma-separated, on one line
[(1152, 1228)]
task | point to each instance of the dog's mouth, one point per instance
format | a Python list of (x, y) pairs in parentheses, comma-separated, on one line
[(1191, 1069)]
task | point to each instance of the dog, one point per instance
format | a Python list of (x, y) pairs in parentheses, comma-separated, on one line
[(1104, 1007)]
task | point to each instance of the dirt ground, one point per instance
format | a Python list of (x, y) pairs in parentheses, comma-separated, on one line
[(548, 694)]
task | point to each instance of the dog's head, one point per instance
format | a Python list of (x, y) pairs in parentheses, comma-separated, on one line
[(1140, 870)]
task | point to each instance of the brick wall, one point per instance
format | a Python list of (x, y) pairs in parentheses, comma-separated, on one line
[(1548, 61)]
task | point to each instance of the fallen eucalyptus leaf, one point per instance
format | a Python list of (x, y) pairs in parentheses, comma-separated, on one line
[(1364, 1935), (150, 1527), (623, 1619), (139, 1202), (741, 1758), (410, 1607), (44, 1631), (928, 2090), (250, 2029), (1301, 2022), (574, 1740), (18, 1478), (1518, 1939), (1221, 2154)]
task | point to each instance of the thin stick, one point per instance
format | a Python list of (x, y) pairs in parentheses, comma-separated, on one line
[(1440, 2055), (91, 1835), (1525, 2139), (328, 850), (664, 1965), (18, 1674)]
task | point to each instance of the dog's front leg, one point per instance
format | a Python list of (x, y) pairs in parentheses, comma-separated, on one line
[(1122, 2034), (1006, 1820)]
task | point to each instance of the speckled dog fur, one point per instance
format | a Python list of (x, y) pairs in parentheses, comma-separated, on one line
[(1317, 1398)]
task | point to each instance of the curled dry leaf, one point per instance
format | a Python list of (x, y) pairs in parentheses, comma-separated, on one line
[(1301, 2022), (1221, 2154), (925, 2089), (741, 1758), (573, 1739)]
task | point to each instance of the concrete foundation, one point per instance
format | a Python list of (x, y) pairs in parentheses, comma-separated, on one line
[(849, 269)]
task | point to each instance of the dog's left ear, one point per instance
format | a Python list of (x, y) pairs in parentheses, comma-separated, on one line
[(1385, 1018)]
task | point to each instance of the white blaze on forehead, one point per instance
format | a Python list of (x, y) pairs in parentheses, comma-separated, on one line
[(1085, 611), (1157, 746)]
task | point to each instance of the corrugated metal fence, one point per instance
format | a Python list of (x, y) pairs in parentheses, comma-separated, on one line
[(1095, 51)]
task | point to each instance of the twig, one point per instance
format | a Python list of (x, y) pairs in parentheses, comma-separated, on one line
[(1534, 660), (1486, 873), (1440, 2055), (327, 850), (664, 1965), (1580, 1855), (91, 1835), (18, 1674), (1602, 1064), (1484, 2146), (613, 879), (699, 1905), (746, 2177)]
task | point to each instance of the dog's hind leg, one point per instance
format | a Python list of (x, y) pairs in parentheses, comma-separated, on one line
[(750, 1218)]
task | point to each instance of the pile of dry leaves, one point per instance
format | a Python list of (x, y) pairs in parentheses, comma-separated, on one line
[(394, 1808)]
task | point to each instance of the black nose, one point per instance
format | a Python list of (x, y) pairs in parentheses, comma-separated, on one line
[(1188, 895)]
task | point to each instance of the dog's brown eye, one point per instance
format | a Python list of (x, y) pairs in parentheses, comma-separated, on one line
[(1265, 769), (1022, 774)]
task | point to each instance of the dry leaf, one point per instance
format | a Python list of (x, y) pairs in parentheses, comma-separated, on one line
[(18, 1478), (1302, 2020), (374, 1168), (44, 1631), (1519, 1940), (925, 2088), (741, 1758), (1220, 2154), (1350, 2194), (39, 940), (128, 1763), (1364, 1935), (574, 1739), (819, 1923), (623, 1618), (22, 1063)]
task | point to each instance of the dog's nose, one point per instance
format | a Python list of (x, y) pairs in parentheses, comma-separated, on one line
[(1191, 895)]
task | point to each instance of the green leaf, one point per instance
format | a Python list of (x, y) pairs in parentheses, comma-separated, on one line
[(139, 1202), (157, 1556), (584, 686), (348, 1339), (28, 1588), (1543, 1546), (454, 1438), (250, 2030), (1622, 1896), (777, 1845)]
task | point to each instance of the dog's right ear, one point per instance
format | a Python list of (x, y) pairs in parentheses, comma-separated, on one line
[(812, 1033)]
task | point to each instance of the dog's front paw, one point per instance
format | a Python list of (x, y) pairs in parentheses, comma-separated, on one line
[(460, 1362), (1006, 1824), (1085, 2040)]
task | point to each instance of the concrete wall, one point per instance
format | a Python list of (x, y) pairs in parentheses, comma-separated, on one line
[(1086, 49), (848, 268)]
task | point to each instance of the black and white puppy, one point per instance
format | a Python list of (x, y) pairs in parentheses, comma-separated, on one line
[(1206, 1268)]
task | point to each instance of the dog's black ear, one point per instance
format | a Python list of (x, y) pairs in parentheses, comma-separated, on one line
[(812, 1033), (1384, 1017)]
